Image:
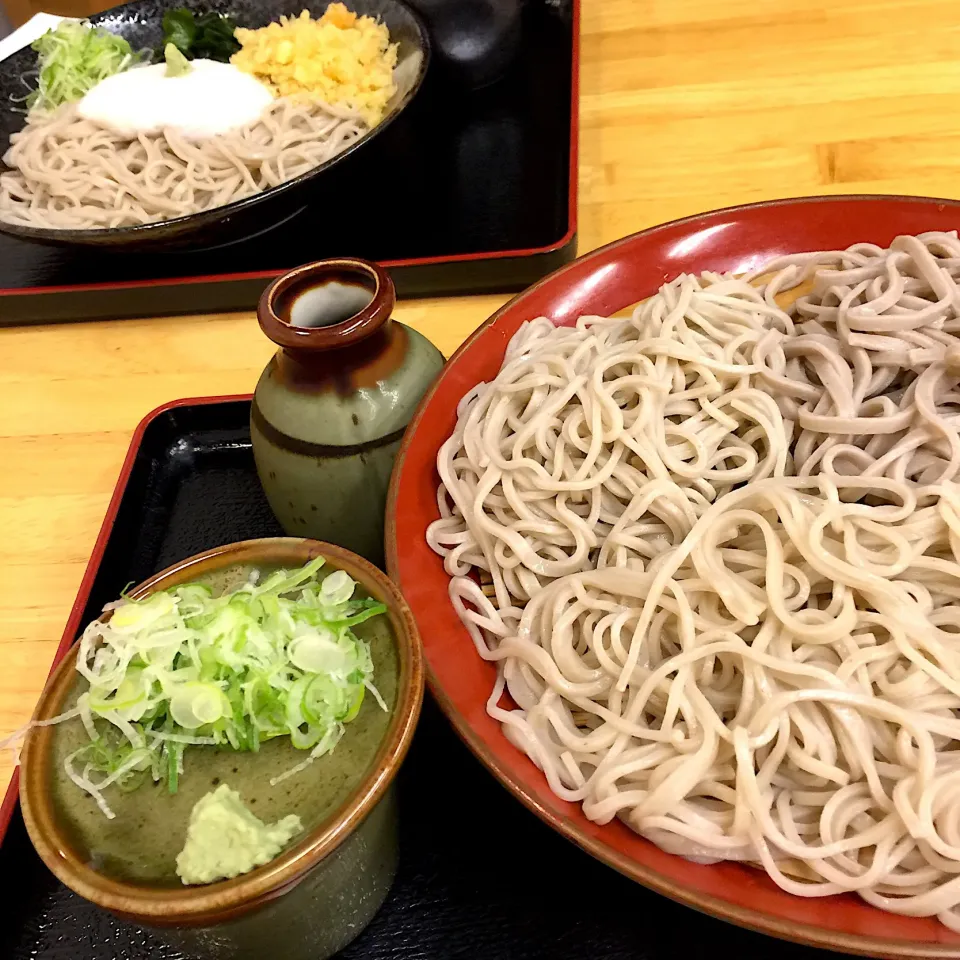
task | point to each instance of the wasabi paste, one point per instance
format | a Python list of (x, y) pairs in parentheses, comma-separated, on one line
[(224, 839)]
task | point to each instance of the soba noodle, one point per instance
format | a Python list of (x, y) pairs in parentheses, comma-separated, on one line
[(719, 547), (67, 172)]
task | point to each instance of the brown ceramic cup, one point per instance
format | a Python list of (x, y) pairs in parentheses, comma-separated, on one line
[(322, 890)]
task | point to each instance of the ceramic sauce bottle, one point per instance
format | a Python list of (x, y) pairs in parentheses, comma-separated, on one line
[(331, 406)]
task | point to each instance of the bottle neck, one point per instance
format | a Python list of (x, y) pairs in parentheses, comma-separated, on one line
[(345, 369)]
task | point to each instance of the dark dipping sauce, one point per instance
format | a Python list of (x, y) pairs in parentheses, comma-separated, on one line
[(140, 845), (324, 302)]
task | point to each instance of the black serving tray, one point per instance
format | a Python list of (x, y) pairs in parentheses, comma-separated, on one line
[(468, 191), (480, 877)]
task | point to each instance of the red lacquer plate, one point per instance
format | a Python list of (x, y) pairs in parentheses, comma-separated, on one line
[(607, 280)]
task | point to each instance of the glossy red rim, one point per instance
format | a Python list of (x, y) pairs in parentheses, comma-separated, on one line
[(607, 280), (572, 188)]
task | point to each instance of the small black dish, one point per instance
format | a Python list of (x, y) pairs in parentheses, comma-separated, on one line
[(140, 23)]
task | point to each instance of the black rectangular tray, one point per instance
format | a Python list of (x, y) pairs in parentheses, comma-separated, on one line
[(480, 877), (467, 192)]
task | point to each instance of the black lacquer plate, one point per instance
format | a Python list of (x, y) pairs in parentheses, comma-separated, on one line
[(140, 24), (468, 191), (480, 877)]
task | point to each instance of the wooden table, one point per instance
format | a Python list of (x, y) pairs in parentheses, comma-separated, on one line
[(686, 105)]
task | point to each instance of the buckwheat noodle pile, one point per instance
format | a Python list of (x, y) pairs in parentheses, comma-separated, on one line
[(68, 172), (714, 550)]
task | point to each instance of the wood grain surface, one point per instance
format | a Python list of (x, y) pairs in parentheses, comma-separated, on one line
[(686, 105)]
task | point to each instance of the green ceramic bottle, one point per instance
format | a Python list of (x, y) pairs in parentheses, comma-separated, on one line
[(331, 406)]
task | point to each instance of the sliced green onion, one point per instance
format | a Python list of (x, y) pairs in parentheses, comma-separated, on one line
[(183, 668), (194, 704), (73, 58)]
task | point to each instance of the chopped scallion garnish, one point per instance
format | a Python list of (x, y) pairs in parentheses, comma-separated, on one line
[(182, 668)]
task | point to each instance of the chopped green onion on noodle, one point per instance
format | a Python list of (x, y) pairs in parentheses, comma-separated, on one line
[(73, 58)]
